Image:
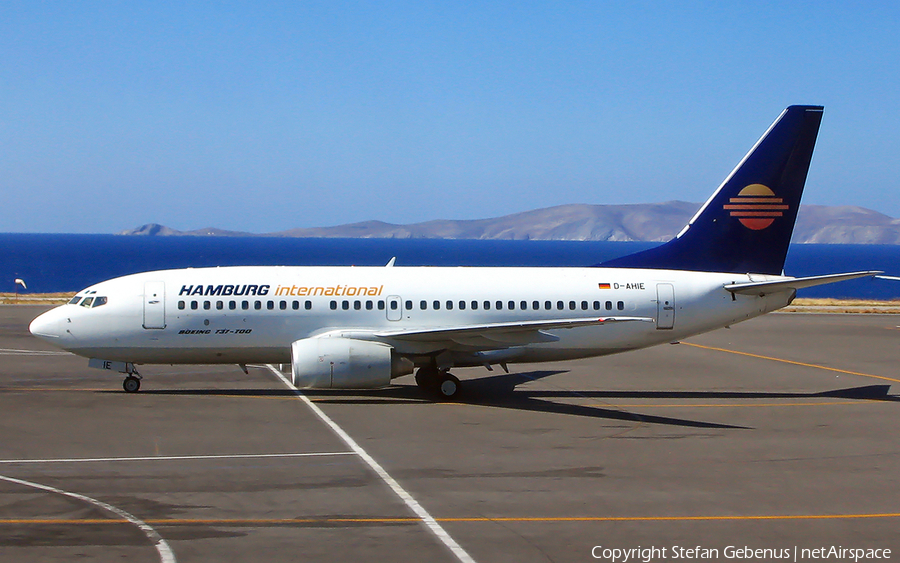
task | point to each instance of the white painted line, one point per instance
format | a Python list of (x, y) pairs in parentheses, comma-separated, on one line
[(407, 498), (172, 457), (165, 552)]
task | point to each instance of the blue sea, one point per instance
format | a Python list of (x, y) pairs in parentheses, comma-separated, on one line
[(65, 262)]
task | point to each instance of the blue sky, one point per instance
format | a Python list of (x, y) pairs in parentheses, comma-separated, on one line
[(263, 116)]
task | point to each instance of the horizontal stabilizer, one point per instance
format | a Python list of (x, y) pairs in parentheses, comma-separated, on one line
[(776, 286)]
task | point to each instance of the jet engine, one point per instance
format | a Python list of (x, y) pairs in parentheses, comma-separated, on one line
[(344, 363)]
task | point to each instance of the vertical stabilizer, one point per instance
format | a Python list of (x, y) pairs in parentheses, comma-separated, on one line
[(746, 226)]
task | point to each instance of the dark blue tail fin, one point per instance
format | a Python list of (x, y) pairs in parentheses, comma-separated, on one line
[(746, 226)]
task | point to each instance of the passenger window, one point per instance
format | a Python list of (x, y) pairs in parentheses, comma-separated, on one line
[(620, 305), (181, 304), (393, 305), (282, 305), (423, 305), (560, 305), (596, 305), (245, 305), (257, 305), (334, 305), (206, 305), (232, 305), (534, 305), (511, 305), (449, 305), (381, 304), (295, 305), (571, 305), (357, 305), (548, 305), (462, 305), (369, 305), (487, 305), (474, 305), (270, 305), (87, 301), (220, 305), (345, 305), (308, 305), (436, 305), (409, 305), (584, 305), (194, 306), (609, 305)]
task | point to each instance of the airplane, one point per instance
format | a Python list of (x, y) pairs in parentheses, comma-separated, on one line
[(361, 327)]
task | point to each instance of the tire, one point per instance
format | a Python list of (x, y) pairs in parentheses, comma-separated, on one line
[(449, 387), (131, 384), (427, 378)]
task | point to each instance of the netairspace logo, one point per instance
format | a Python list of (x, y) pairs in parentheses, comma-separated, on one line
[(731, 552)]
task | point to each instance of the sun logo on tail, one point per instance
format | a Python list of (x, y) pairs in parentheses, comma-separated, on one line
[(756, 207)]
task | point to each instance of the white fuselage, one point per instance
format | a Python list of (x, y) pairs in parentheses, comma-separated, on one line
[(253, 314)]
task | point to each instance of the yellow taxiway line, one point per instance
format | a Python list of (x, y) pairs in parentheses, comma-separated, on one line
[(729, 405), (792, 362), (409, 520)]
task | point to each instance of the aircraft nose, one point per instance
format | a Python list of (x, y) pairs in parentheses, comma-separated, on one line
[(45, 325)]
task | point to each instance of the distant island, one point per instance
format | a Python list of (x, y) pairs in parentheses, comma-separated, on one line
[(818, 224)]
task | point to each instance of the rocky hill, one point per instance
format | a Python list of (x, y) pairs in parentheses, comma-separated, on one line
[(639, 222)]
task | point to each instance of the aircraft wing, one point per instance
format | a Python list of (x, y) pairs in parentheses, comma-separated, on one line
[(501, 335), (766, 287)]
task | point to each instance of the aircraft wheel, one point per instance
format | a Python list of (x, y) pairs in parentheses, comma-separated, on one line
[(427, 378), (449, 387), (131, 384)]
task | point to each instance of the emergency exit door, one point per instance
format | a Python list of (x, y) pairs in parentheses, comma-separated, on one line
[(394, 308)]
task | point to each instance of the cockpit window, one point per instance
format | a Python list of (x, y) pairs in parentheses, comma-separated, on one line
[(75, 300), (87, 301), (98, 301)]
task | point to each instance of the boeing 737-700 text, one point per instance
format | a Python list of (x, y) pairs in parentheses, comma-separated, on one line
[(360, 327)]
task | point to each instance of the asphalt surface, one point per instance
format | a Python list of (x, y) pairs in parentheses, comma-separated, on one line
[(778, 433)]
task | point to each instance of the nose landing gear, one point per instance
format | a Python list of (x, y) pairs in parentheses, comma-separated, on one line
[(132, 383)]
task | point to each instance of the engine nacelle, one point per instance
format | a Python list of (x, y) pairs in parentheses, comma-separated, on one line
[(344, 363)]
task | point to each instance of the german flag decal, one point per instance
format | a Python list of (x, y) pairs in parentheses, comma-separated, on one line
[(756, 207), (604, 285)]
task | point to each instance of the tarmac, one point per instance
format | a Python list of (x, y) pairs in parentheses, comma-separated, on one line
[(778, 434)]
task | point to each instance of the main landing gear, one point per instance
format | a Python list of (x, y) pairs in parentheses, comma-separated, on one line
[(439, 382), (132, 383)]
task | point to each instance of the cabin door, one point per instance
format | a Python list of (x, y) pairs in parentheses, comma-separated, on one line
[(154, 304), (665, 306)]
